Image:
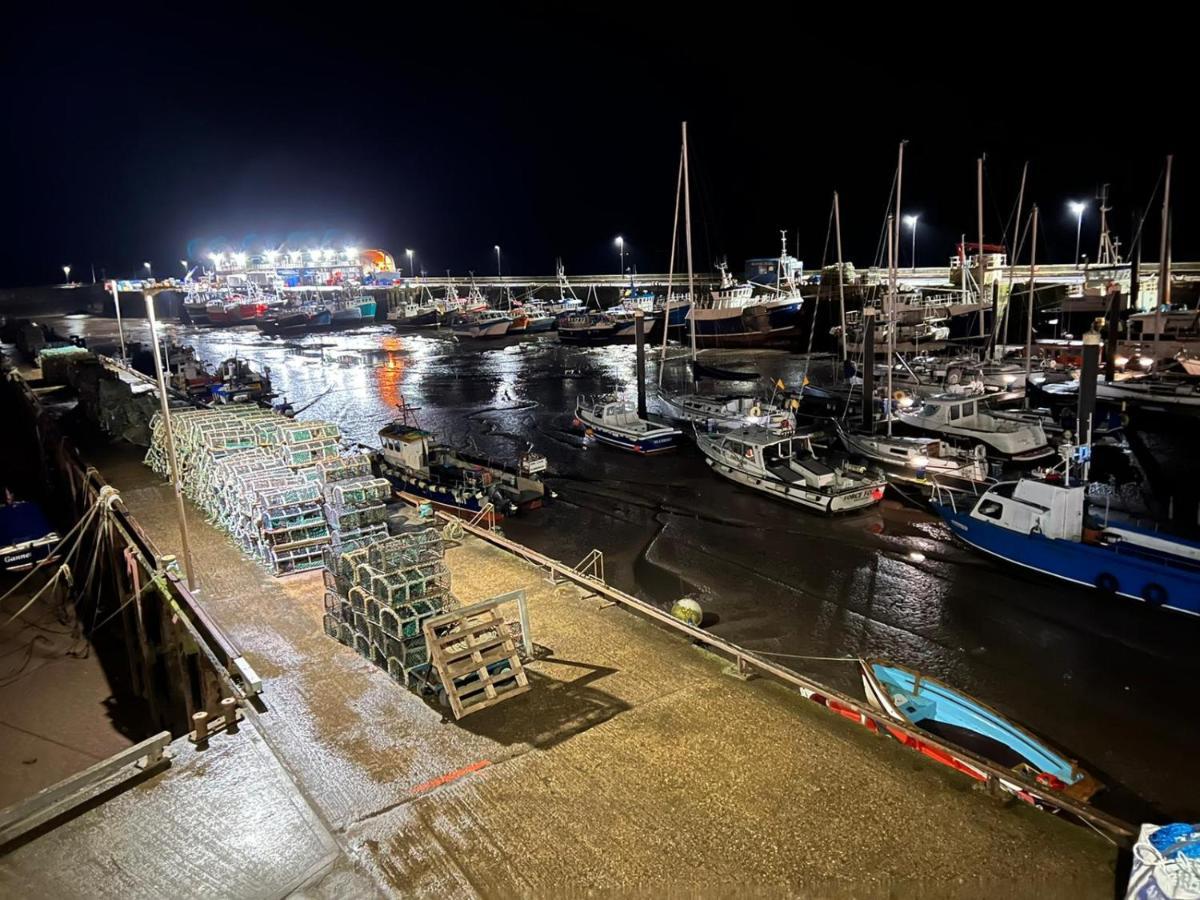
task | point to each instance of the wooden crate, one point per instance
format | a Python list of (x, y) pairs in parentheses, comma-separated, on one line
[(463, 644)]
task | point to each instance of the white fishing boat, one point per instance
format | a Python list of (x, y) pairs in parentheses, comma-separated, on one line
[(918, 460), (486, 323), (726, 411), (615, 421), (1154, 393), (785, 466), (961, 421)]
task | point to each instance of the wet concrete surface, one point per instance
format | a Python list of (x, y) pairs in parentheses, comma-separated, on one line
[(633, 764), (225, 821), (1093, 674)]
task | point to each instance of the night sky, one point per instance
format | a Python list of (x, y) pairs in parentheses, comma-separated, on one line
[(159, 138)]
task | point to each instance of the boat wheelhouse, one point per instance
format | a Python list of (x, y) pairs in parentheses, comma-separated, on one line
[(787, 467)]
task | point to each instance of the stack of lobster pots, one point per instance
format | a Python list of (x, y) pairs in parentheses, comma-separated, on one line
[(378, 597)]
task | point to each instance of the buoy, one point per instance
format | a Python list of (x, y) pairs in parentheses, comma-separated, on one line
[(688, 610), (756, 411)]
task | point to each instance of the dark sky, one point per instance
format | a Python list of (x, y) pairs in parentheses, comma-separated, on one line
[(161, 136)]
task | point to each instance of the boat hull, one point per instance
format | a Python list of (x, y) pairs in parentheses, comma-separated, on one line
[(658, 440), (842, 502), (1099, 567)]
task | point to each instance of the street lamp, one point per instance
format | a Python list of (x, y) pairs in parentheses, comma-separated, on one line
[(411, 271), (620, 242), (183, 262), (1077, 208), (911, 222), (66, 274), (270, 256), (240, 259), (149, 271), (216, 260), (499, 271)]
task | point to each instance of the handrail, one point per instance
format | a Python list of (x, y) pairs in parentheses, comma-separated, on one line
[(1117, 829)]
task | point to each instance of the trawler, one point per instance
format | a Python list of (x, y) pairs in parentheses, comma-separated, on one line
[(486, 323), (786, 466), (414, 462)]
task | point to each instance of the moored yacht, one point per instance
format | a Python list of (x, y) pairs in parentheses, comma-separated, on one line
[(785, 466), (960, 421)]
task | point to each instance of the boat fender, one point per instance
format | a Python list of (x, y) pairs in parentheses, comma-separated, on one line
[(756, 411), (980, 451), (1107, 582), (1154, 594), (952, 378)]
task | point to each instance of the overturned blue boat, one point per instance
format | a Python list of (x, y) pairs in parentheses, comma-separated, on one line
[(26, 537), (1044, 524)]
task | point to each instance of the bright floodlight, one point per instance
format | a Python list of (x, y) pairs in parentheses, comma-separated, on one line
[(497, 248), (327, 253), (295, 255), (216, 258), (240, 258), (270, 255), (1077, 207), (147, 265), (352, 252), (66, 271), (183, 262), (620, 241), (911, 221)]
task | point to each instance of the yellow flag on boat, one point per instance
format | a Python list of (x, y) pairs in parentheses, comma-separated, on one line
[(804, 383), (779, 384)]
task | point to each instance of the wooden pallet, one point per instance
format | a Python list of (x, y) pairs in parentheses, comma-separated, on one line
[(462, 645)]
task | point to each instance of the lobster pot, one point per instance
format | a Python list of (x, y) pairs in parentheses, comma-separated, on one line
[(357, 492), (309, 452), (358, 599), (343, 468), (359, 539), (431, 580), (349, 521), (288, 560), (406, 549), (349, 562)]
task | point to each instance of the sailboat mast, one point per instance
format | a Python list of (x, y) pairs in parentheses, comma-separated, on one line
[(687, 230), (979, 249), (889, 318), (1164, 264), (1030, 303), (662, 363), (837, 219), (1012, 262)]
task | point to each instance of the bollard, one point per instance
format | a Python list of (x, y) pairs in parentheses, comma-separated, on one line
[(229, 708), (200, 722)]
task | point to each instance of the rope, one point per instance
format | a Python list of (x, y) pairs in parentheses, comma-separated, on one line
[(853, 659)]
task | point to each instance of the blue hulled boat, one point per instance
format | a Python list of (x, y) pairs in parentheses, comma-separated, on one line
[(1043, 524), (615, 421)]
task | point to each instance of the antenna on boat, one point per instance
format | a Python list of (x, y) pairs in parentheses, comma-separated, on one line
[(1016, 242), (979, 198), (1031, 300), (1164, 263)]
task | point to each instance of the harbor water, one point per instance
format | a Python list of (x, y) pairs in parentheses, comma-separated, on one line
[(1107, 680)]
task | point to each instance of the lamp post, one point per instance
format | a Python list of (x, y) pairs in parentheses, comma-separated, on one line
[(499, 271), (1077, 208), (620, 242), (66, 274), (149, 271), (183, 262), (170, 441), (911, 222), (411, 271)]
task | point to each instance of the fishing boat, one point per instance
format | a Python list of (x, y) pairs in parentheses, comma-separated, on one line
[(725, 411), (289, 323), (486, 323), (959, 420), (917, 460), (615, 421), (423, 312), (733, 315), (26, 536), (237, 382), (537, 316), (414, 462), (908, 696), (583, 327), (195, 310), (1044, 524), (786, 466)]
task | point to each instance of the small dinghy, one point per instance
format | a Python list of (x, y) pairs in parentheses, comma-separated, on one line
[(615, 421), (905, 695)]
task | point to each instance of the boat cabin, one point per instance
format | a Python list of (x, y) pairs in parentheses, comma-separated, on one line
[(1175, 325), (1031, 506), (789, 458), (405, 445)]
